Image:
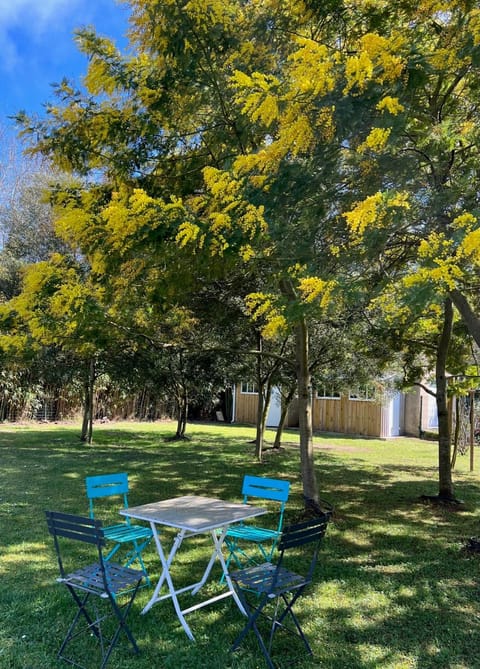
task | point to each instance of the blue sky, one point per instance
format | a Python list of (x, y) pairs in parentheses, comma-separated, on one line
[(38, 47)]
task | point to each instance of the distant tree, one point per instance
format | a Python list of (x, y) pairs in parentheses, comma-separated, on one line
[(429, 339), (27, 236), (27, 221), (414, 172), (26, 218), (59, 306)]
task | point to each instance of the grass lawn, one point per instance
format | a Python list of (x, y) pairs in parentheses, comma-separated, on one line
[(394, 589)]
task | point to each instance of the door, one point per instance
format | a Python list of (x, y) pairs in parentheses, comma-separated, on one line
[(274, 411), (396, 412)]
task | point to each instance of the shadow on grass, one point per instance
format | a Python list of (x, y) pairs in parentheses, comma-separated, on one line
[(393, 587)]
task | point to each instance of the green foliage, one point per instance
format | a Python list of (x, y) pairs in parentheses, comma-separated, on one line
[(328, 153)]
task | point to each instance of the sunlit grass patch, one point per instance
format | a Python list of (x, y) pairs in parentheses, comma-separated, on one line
[(394, 588)]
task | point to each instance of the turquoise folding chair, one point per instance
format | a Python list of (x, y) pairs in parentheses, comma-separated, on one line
[(241, 537), (134, 538)]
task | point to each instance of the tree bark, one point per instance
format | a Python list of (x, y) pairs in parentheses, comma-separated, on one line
[(182, 412), (259, 437), (456, 435), (283, 416), (267, 398), (304, 390), (445, 483), (89, 389), (310, 490)]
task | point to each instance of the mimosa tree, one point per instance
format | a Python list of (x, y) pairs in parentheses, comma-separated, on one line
[(168, 141), (313, 144)]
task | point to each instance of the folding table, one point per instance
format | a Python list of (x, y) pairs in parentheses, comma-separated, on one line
[(192, 515)]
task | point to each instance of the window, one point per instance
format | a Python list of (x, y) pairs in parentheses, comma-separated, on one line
[(367, 393), (324, 393), (249, 388)]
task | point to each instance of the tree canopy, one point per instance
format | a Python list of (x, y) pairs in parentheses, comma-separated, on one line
[(327, 153)]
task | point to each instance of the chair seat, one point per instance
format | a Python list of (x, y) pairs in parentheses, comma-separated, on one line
[(267, 578), (252, 533), (90, 578), (123, 532)]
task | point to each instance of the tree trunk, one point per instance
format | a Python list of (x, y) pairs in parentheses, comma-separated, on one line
[(267, 399), (228, 404), (445, 483), (260, 433), (89, 388), (90, 403), (260, 427), (283, 416), (182, 411), (304, 388), (83, 436), (456, 437), (310, 490)]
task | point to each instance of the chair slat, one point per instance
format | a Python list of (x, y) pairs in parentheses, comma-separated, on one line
[(266, 488), (302, 533), (106, 485), (124, 533), (253, 533), (67, 525)]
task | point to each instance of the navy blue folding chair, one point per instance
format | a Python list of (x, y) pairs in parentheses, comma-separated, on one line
[(276, 587), (123, 534), (94, 586)]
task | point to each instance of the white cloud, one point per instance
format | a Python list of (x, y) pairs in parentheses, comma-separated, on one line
[(39, 22), (34, 15)]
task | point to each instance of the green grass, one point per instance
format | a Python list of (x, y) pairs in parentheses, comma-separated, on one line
[(394, 589)]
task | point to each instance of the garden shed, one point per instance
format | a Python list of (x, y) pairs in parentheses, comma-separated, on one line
[(354, 412)]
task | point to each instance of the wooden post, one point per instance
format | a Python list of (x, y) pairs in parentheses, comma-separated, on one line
[(472, 429), (451, 406)]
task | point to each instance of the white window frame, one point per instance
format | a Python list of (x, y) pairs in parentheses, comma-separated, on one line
[(366, 393), (327, 394), (248, 388)]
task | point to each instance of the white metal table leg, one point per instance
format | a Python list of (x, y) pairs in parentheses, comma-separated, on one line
[(217, 553), (218, 541), (165, 576)]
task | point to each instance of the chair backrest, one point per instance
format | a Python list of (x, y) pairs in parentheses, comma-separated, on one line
[(106, 485), (306, 532), (265, 488), (78, 528), (259, 486)]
